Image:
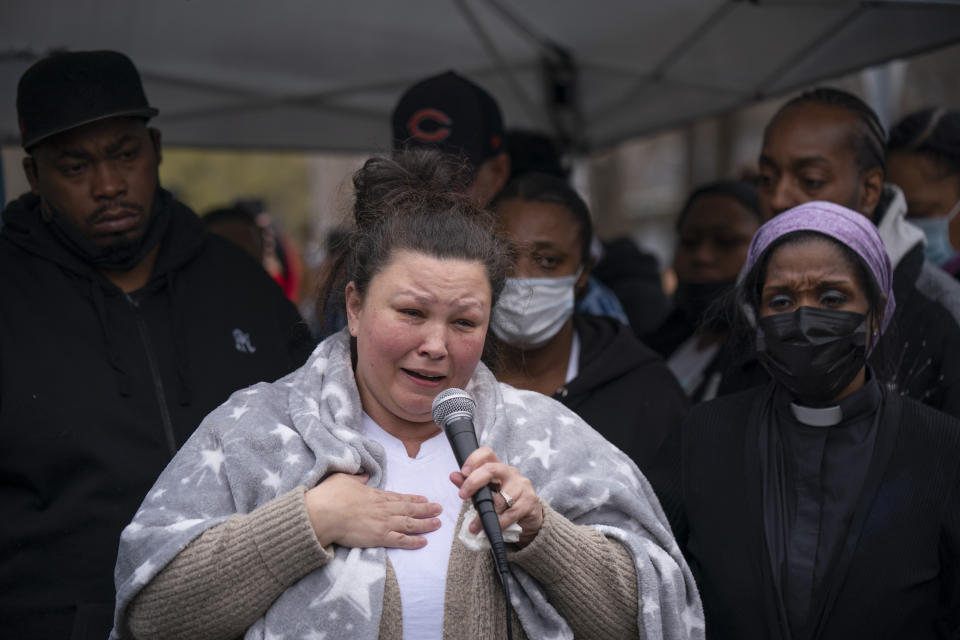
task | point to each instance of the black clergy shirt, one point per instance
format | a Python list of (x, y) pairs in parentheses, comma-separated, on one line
[(814, 463)]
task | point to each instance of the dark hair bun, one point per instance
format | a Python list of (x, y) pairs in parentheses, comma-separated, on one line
[(411, 180)]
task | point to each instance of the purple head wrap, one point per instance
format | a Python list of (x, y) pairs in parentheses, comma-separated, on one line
[(849, 228)]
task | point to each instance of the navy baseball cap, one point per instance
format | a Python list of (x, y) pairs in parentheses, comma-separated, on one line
[(66, 90), (450, 113)]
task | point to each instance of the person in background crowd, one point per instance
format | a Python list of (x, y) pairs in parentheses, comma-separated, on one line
[(456, 117), (533, 152), (592, 364), (449, 113), (122, 323), (827, 144), (714, 230), (823, 504), (240, 227), (336, 243), (923, 159), (280, 255), (633, 275), (353, 533)]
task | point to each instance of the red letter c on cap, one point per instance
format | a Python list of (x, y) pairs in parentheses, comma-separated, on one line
[(442, 120)]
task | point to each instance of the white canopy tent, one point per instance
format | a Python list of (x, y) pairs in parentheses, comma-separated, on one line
[(321, 75)]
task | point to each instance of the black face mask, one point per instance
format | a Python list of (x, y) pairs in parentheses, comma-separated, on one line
[(696, 298), (815, 353), (121, 257)]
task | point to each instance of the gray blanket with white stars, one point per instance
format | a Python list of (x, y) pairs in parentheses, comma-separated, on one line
[(271, 438)]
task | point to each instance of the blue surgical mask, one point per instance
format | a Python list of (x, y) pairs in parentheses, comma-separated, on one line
[(937, 231)]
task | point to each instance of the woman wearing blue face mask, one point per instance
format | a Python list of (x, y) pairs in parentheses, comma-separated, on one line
[(592, 364), (924, 160), (821, 505)]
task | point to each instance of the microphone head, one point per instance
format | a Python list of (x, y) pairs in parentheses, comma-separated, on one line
[(452, 403)]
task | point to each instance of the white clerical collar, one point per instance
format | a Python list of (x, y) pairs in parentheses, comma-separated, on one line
[(817, 416)]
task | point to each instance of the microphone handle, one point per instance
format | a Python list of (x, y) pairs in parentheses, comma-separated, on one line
[(463, 440)]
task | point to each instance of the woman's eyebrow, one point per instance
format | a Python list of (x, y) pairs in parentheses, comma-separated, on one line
[(777, 288)]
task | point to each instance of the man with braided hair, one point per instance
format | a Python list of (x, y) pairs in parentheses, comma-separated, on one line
[(827, 144)]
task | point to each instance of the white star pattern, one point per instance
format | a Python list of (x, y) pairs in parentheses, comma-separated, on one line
[(272, 480), (601, 499), (354, 577), (313, 407), (691, 619), (142, 574), (342, 399), (625, 470), (212, 459), (284, 432), (651, 608), (314, 412), (347, 435), (238, 412), (512, 396), (542, 450), (183, 525)]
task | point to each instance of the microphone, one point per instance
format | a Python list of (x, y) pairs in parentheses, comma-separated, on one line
[(453, 412)]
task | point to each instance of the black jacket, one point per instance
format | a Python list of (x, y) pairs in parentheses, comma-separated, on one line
[(634, 277), (897, 576), (97, 391), (623, 389)]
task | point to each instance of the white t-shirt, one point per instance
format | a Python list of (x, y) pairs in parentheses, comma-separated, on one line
[(421, 573)]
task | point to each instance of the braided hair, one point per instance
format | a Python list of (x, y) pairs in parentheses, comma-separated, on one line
[(869, 143)]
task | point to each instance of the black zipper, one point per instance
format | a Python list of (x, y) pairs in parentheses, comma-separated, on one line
[(157, 381)]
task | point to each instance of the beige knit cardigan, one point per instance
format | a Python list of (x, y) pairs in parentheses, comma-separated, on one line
[(226, 578)]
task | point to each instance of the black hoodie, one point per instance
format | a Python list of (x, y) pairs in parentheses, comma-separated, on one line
[(99, 388), (623, 389)]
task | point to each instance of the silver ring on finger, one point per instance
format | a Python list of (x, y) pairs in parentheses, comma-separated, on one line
[(506, 498)]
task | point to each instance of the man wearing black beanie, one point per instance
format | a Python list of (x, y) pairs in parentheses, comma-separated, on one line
[(123, 322)]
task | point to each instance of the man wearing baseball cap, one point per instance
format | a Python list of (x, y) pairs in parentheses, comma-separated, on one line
[(454, 115), (123, 322)]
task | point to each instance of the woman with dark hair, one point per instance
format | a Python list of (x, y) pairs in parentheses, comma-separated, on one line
[(923, 159), (330, 504), (592, 364), (821, 505), (713, 232)]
